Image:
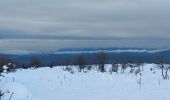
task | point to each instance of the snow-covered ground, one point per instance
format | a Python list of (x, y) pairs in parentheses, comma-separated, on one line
[(55, 84)]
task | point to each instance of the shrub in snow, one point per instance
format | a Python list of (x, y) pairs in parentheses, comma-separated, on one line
[(3, 69), (24, 66), (164, 70), (114, 67), (89, 67), (132, 67), (5, 66), (123, 67), (11, 67), (68, 68), (138, 67), (164, 67), (3, 61)]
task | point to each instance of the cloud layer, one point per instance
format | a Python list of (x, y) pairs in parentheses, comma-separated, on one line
[(84, 19), (29, 45)]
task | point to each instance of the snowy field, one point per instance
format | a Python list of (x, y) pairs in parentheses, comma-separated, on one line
[(55, 84)]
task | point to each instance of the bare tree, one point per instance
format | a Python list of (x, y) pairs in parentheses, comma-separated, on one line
[(115, 67), (102, 58), (10, 66), (138, 67), (67, 62), (51, 64), (164, 68), (35, 62), (3, 61), (132, 67), (81, 62), (124, 65)]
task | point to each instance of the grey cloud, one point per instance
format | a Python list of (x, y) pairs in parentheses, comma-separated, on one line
[(31, 45), (84, 18)]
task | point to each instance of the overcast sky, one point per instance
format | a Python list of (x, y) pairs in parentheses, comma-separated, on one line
[(84, 19)]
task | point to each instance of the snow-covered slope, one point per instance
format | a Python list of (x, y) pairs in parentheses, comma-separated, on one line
[(56, 84)]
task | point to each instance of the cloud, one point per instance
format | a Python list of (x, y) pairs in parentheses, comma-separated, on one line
[(39, 45), (84, 18)]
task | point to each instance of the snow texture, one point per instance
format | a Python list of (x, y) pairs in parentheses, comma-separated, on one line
[(55, 84)]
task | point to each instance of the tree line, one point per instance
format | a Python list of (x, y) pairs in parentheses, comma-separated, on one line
[(81, 62)]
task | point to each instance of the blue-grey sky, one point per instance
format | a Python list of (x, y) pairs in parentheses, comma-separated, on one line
[(84, 19)]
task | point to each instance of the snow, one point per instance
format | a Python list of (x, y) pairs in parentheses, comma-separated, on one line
[(19, 90), (55, 84), (5, 67)]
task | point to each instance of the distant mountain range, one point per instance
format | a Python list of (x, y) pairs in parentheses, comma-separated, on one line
[(70, 54)]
